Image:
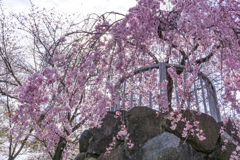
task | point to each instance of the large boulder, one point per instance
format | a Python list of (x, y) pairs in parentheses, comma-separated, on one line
[(232, 130), (80, 156), (143, 124), (206, 123), (154, 139), (221, 153), (103, 136), (116, 154), (84, 140), (168, 147)]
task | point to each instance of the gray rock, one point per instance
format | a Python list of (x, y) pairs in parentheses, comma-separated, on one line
[(84, 140), (231, 126), (103, 136), (153, 138), (116, 154), (220, 154), (143, 124), (80, 156), (206, 123), (168, 147)]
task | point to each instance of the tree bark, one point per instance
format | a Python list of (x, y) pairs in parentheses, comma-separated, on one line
[(59, 150), (170, 90), (11, 158)]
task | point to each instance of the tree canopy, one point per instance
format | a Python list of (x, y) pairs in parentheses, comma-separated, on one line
[(64, 74)]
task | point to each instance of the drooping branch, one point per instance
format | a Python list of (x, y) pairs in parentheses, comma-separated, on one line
[(236, 32), (6, 94), (147, 68), (205, 59), (8, 82), (8, 65), (23, 144)]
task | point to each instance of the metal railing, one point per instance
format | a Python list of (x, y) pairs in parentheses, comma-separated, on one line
[(203, 93)]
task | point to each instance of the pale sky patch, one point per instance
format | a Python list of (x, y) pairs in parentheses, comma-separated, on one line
[(71, 6)]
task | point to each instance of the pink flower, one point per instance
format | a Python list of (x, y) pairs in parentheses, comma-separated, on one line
[(223, 148), (173, 127), (188, 126), (238, 148), (183, 119), (170, 118), (130, 145), (118, 113), (221, 131), (74, 45), (225, 141), (122, 133), (184, 134), (195, 123), (201, 138), (235, 142)]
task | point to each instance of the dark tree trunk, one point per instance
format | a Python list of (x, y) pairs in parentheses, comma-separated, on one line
[(169, 90), (59, 150), (11, 158)]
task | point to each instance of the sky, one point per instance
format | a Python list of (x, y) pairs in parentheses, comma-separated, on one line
[(71, 6)]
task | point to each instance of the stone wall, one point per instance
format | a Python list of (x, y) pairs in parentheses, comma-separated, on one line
[(153, 138)]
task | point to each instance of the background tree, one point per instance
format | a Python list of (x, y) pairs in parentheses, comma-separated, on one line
[(44, 43)]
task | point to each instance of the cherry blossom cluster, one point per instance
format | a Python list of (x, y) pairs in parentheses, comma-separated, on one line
[(122, 135), (192, 129)]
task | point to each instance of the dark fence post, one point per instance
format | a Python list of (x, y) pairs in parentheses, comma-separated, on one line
[(188, 99), (124, 94), (203, 94), (162, 77), (212, 98), (150, 95), (131, 97), (140, 96), (195, 91), (177, 97)]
